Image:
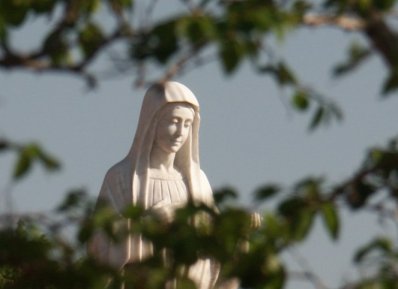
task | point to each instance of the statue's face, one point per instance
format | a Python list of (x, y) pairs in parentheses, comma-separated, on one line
[(174, 127)]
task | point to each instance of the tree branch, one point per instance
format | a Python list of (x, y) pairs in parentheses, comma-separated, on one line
[(348, 23), (384, 39), (180, 63), (375, 28)]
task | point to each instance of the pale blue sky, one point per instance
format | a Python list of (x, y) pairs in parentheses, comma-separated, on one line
[(248, 136)]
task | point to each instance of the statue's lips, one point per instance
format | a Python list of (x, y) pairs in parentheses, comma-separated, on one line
[(176, 142)]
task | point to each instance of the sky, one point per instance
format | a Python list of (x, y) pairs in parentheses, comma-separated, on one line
[(248, 136)]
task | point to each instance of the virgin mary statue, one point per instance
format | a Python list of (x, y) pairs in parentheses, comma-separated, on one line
[(160, 172)]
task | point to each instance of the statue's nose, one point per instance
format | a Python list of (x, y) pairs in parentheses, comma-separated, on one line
[(179, 129)]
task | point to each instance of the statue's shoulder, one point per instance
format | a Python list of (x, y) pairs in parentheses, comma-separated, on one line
[(116, 187), (118, 172)]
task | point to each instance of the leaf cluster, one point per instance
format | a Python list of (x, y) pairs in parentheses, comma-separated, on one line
[(39, 256), (27, 155)]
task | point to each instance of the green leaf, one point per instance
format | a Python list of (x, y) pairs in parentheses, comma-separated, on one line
[(303, 224), (317, 118), (309, 187), (198, 29), (359, 193), (231, 53), (57, 48), (89, 6), (273, 225), (90, 38), (26, 156), (262, 18), (221, 195), (160, 43), (299, 215), (280, 72), (29, 154), (43, 6), (384, 5), (266, 192), (276, 280), (291, 206), (285, 75), (163, 42), (133, 212), (85, 232), (23, 165), (185, 283), (331, 219), (300, 100), (48, 161), (3, 29), (14, 12), (356, 55), (118, 6), (4, 145), (391, 83), (72, 200), (381, 245)]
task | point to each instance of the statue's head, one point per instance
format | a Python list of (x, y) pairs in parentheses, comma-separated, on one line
[(174, 126), (169, 119)]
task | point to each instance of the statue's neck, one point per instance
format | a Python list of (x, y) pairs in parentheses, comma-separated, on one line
[(161, 161)]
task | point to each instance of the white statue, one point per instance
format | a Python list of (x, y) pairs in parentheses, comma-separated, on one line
[(161, 172)]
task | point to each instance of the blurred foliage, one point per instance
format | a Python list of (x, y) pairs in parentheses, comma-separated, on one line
[(48, 251), (233, 32)]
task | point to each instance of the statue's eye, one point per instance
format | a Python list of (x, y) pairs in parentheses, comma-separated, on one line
[(174, 120), (188, 123)]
